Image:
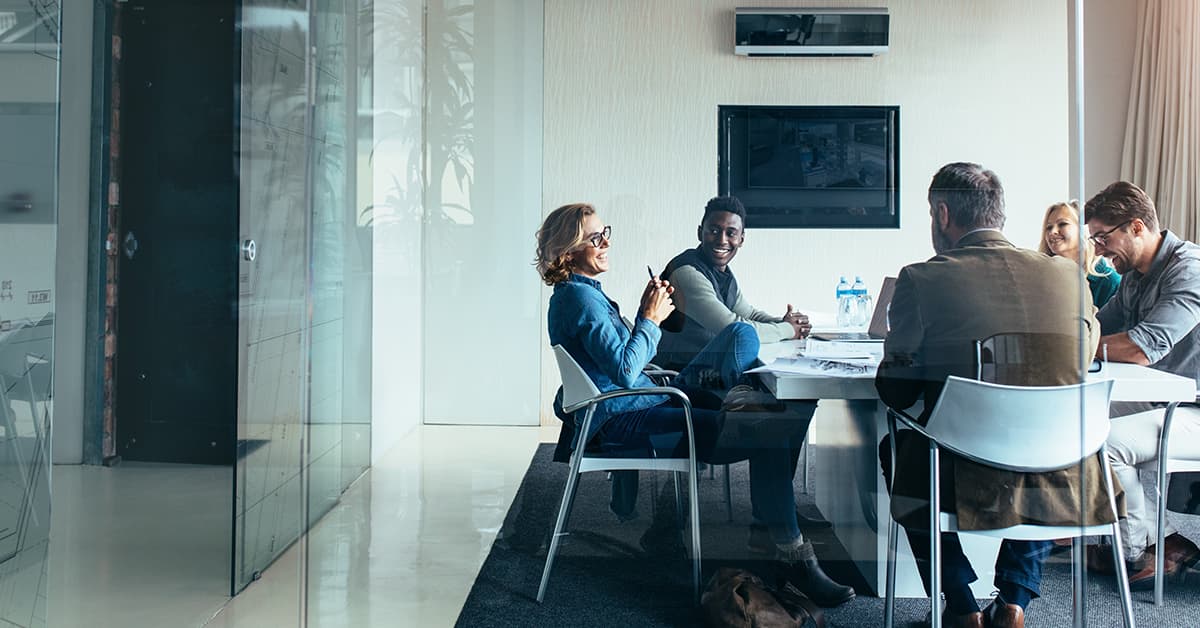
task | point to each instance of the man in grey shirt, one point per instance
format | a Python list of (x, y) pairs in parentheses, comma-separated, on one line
[(1154, 320), (707, 294)]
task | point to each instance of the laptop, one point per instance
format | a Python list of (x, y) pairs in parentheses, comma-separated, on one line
[(878, 328)]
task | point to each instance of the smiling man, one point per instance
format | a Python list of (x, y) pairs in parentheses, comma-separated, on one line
[(1153, 320), (707, 294)]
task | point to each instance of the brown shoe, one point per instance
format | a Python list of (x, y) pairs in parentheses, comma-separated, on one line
[(1000, 614), (1180, 554), (1180, 550), (970, 620)]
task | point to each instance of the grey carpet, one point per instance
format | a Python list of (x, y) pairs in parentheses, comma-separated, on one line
[(602, 576)]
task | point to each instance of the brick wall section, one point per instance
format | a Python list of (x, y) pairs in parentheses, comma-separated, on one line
[(112, 244)]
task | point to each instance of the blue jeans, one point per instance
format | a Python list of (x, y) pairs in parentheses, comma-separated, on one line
[(729, 353)]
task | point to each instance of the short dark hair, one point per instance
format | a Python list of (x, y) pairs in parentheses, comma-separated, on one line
[(729, 204), (973, 195), (1121, 202)]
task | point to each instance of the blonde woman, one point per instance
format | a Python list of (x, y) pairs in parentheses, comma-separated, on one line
[(1060, 236), (573, 247)]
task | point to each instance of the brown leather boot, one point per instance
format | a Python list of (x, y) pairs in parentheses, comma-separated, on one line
[(1000, 614)]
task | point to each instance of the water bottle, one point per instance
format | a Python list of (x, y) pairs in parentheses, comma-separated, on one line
[(864, 302), (845, 311)]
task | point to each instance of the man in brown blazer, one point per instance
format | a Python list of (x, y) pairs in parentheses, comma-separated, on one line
[(979, 285)]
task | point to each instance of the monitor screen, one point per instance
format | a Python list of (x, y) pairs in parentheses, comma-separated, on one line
[(811, 166)]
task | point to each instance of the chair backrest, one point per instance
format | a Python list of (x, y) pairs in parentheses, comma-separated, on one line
[(1028, 359), (578, 388), (1021, 428)]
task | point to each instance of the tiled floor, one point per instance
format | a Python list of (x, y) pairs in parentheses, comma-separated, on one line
[(402, 547)]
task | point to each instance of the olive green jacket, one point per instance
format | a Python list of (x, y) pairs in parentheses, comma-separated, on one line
[(982, 287)]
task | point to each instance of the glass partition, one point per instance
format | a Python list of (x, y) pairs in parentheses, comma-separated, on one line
[(29, 65), (273, 286)]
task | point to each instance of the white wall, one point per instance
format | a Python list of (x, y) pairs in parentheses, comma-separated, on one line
[(73, 246), (398, 96), (632, 90)]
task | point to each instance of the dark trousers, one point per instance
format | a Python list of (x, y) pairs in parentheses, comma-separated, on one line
[(772, 463), (1018, 565)]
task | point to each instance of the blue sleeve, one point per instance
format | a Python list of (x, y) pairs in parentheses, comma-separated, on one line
[(621, 359)]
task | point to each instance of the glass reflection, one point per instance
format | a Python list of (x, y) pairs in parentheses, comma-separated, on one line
[(28, 206)]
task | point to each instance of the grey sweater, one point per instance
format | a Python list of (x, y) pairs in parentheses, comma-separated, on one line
[(707, 314)]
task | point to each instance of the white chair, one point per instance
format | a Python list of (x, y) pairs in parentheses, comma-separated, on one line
[(1015, 428), (1166, 464), (581, 394)]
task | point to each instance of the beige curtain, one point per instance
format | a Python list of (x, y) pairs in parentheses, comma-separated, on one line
[(1162, 130)]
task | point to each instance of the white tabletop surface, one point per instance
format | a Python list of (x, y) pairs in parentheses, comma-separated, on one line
[(1131, 381)]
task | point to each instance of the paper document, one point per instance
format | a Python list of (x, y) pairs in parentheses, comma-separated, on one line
[(812, 366), (838, 351)]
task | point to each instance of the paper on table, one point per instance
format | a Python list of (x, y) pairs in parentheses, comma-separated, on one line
[(811, 366), (838, 350)]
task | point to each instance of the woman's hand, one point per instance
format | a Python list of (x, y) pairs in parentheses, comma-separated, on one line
[(656, 301)]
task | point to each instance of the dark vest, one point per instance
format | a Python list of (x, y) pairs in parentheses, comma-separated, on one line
[(683, 337)]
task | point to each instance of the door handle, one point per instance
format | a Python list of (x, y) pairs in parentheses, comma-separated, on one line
[(129, 244), (249, 250)]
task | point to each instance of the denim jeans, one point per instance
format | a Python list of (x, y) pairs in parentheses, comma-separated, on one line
[(729, 353), (1019, 563)]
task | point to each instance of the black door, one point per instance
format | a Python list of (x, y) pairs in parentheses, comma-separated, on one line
[(176, 379)]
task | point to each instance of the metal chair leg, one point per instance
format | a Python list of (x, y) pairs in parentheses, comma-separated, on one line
[(694, 503), (935, 554), (564, 511), (889, 605), (728, 497), (1163, 457), (678, 500), (1078, 584), (1160, 532), (1122, 577)]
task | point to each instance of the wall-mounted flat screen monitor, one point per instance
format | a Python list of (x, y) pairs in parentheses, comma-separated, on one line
[(812, 167)]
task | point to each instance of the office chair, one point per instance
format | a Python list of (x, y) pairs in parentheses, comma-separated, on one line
[(1166, 465), (581, 394), (1002, 415)]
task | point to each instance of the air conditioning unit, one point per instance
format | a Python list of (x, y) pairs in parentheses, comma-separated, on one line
[(806, 32)]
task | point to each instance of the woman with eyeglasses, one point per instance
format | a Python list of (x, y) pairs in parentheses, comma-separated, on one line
[(572, 252), (1060, 236)]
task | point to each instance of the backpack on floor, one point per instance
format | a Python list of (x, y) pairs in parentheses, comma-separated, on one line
[(736, 598)]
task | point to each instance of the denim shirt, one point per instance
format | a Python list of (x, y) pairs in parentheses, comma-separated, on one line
[(588, 325)]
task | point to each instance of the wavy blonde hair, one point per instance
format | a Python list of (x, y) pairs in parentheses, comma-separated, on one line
[(561, 232), (1091, 261)]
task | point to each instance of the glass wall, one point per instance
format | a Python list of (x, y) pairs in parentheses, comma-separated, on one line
[(28, 210)]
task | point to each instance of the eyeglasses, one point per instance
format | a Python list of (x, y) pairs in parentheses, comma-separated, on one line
[(599, 237), (1102, 237)]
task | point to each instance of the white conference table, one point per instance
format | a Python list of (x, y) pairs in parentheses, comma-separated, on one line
[(848, 485)]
